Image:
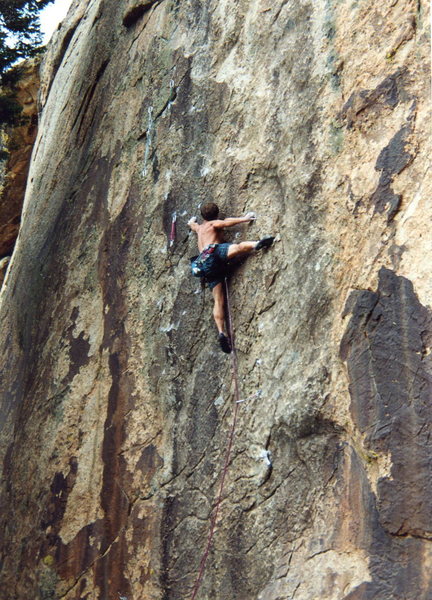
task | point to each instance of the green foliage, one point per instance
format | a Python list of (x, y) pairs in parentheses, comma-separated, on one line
[(20, 35), (11, 77), (10, 110), (20, 38)]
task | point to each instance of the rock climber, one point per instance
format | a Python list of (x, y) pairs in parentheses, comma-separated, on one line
[(212, 262)]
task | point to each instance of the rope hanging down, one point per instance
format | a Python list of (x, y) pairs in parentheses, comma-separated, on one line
[(234, 372)]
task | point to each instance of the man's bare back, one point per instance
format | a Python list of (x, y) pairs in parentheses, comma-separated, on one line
[(210, 232)]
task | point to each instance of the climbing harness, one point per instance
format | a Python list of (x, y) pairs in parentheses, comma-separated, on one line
[(198, 262), (234, 373)]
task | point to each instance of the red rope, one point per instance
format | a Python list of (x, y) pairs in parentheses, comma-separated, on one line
[(234, 372)]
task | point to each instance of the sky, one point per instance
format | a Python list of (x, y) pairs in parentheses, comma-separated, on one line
[(51, 16)]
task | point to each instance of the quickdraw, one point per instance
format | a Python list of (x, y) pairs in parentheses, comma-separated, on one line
[(172, 235)]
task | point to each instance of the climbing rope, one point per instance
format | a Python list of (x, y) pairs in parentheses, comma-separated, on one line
[(234, 373)]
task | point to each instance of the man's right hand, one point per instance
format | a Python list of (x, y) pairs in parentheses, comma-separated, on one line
[(251, 216)]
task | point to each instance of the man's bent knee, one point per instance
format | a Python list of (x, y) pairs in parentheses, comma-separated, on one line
[(233, 250)]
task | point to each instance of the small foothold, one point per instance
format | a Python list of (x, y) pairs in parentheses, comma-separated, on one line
[(266, 455)]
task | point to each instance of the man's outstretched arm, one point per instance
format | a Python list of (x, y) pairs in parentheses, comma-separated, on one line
[(231, 221)]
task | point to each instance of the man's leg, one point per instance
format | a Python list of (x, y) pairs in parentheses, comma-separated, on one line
[(248, 247), (219, 316), (219, 307), (241, 248)]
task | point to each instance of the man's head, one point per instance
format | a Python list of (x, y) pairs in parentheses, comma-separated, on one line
[(210, 211)]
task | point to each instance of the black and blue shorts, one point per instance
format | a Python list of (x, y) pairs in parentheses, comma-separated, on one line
[(214, 265)]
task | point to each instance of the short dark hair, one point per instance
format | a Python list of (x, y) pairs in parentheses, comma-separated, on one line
[(210, 211)]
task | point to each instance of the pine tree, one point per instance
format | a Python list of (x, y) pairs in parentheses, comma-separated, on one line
[(19, 21), (20, 38)]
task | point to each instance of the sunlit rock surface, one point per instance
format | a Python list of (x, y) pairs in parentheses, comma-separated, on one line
[(116, 400)]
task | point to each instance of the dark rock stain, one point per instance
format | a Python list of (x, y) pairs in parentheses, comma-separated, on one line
[(61, 487), (388, 93), (103, 543), (395, 156), (141, 531), (241, 576), (79, 349), (89, 93), (110, 574), (391, 161), (76, 557), (390, 373), (392, 566), (81, 588), (168, 208), (149, 461), (137, 11), (107, 533), (55, 507), (39, 313), (166, 536), (78, 354), (87, 124)]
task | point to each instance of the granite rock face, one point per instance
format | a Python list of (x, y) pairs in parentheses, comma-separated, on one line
[(116, 403)]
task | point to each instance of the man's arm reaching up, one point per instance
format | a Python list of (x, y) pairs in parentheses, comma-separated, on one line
[(231, 221)]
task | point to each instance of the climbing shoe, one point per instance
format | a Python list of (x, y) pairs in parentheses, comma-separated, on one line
[(224, 343), (266, 242)]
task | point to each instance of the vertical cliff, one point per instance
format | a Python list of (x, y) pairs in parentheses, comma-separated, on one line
[(116, 402)]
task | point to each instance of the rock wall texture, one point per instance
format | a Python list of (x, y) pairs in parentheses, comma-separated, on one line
[(116, 402)]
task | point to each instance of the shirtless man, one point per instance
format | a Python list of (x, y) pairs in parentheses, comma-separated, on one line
[(214, 256)]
